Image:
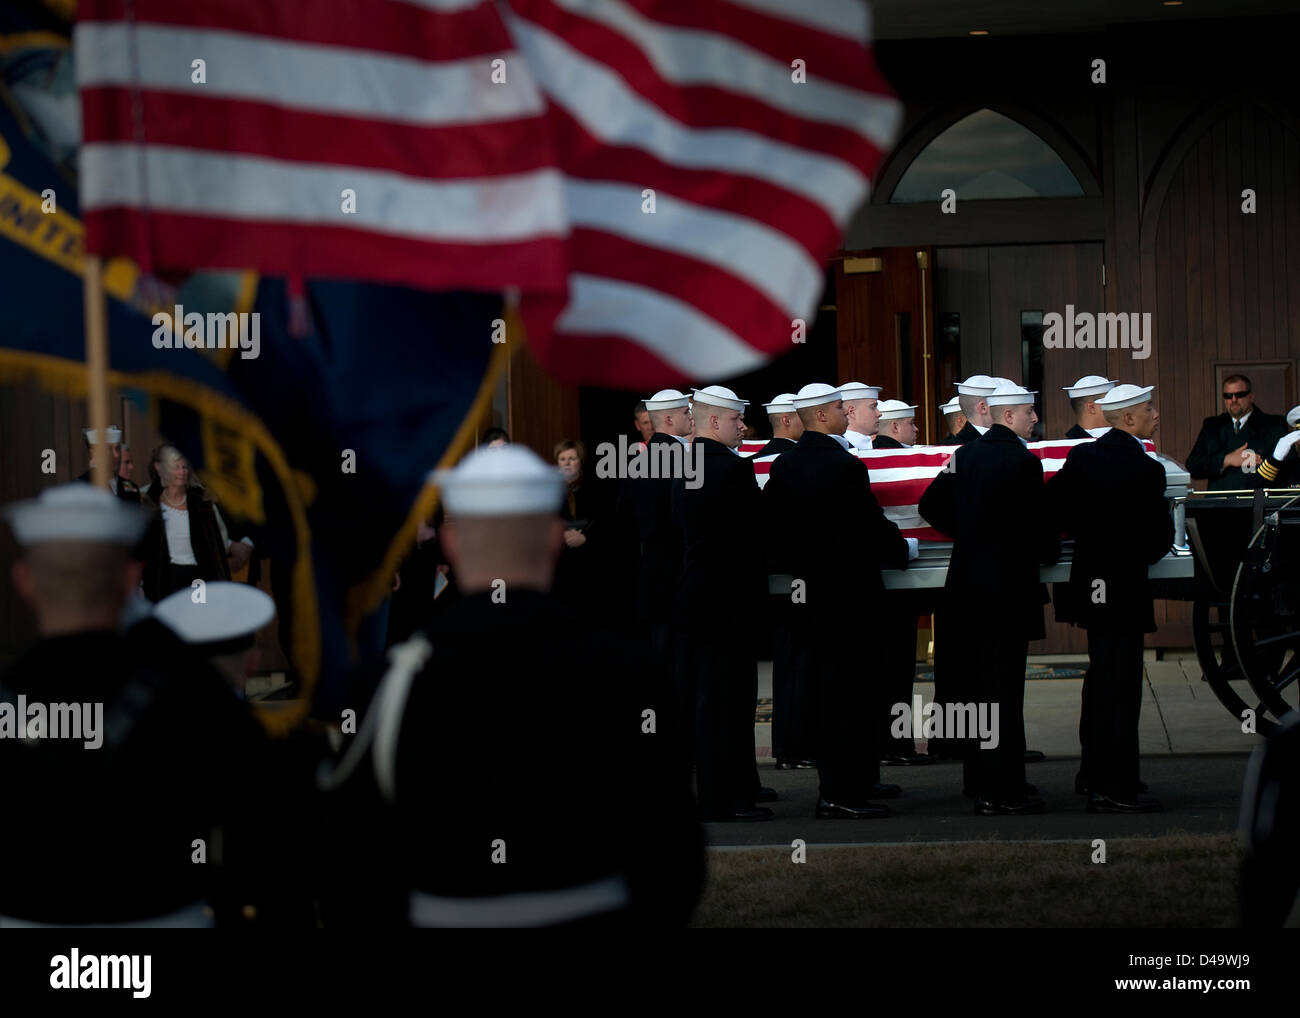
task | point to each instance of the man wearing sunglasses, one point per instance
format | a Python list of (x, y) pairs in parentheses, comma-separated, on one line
[(1231, 446)]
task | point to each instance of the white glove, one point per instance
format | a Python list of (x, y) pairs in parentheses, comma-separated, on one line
[(1285, 444), (914, 546)]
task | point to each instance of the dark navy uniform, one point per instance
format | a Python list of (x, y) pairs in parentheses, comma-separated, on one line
[(897, 654), (1108, 593), (106, 834), (837, 540), (793, 710), (717, 667), (645, 508), (125, 489), (966, 435), (994, 507), (499, 690), (1218, 438), (775, 447), (1279, 474), (648, 501), (1077, 432)]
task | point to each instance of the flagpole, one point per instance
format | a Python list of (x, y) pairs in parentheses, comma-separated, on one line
[(97, 367)]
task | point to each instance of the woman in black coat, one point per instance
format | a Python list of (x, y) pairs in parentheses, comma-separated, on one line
[(184, 541)]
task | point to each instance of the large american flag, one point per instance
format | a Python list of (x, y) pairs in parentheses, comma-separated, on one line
[(899, 477), (499, 146)]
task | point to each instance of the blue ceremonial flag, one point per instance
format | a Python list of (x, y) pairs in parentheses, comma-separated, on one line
[(318, 420)]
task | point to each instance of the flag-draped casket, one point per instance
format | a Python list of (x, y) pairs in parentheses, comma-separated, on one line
[(900, 476)]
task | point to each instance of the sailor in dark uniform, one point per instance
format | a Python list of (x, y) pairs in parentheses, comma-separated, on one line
[(724, 581), (835, 554), (221, 626), (1108, 593), (897, 427), (793, 710), (504, 679), (993, 504), (954, 419), (950, 641), (1089, 422), (123, 487), (786, 426), (860, 408), (970, 397), (122, 802), (898, 612), (1281, 467), (646, 502)]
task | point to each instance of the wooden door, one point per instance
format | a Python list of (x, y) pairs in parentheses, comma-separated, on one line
[(884, 302)]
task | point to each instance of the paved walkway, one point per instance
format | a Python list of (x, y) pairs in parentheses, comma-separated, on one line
[(1180, 714), (1193, 757)]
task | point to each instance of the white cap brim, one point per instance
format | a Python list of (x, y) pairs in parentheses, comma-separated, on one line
[(723, 402), (667, 400), (859, 390), (1126, 396), (806, 402), (76, 512), (1090, 388), (229, 611), (510, 480)]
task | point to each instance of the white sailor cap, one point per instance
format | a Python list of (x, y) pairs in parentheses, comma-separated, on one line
[(717, 395), (951, 407), (76, 512), (977, 385), (1125, 396), (1293, 417), (112, 433), (895, 410), (510, 480), (225, 620), (815, 394), (1090, 385), (1007, 393), (858, 390), (782, 404), (667, 399)]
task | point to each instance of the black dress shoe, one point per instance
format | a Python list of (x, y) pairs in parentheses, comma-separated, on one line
[(1138, 804), (907, 760), (836, 811), (1081, 785), (743, 815), (1034, 756), (795, 765), (879, 791), (766, 794), (1024, 807), (1030, 791)]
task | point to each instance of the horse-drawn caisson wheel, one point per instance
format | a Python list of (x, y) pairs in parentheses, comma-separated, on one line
[(1264, 617), (1212, 634)]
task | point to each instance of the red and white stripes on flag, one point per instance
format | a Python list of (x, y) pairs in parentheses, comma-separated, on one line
[(756, 124), (899, 477)]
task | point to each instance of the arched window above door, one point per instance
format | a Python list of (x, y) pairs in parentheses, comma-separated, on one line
[(986, 155)]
